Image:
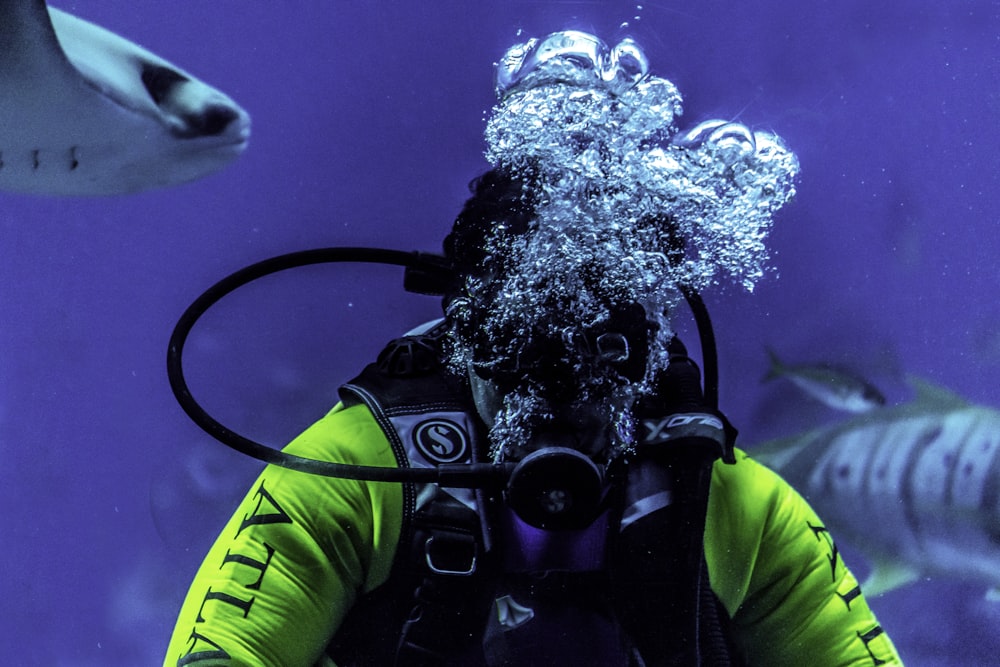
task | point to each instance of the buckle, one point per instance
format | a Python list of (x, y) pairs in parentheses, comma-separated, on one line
[(447, 559)]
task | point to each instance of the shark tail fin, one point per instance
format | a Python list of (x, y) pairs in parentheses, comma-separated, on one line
[(776, 454), (934, 395)]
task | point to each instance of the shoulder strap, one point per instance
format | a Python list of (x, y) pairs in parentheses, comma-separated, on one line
[(659, 549), (426, 414)]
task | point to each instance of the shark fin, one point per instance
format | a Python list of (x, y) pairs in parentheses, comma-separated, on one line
[(776, 454), (886, 576), (934, 395)]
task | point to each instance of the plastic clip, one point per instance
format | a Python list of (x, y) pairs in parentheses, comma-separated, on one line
[(450, 569)]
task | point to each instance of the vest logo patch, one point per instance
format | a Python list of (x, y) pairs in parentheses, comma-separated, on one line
[(441, 441)]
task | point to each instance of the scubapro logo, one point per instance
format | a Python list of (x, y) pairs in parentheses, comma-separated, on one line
[(440, 441)]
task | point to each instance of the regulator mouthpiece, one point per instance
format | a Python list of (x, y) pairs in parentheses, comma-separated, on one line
[(556, 488)]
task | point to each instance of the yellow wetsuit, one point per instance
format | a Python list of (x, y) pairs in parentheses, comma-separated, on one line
[(301, 549)]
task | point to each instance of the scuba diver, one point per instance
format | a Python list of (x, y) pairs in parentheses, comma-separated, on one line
[(542, 476)]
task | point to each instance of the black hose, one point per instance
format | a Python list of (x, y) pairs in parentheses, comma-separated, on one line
[(709, 354), (475, 475)]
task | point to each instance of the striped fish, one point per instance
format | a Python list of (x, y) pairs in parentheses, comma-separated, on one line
[(915, 487)]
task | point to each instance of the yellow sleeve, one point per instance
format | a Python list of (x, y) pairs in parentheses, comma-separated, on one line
[(777, 571), (294, 557)]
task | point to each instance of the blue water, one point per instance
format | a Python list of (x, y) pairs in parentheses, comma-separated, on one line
[(368, 123)]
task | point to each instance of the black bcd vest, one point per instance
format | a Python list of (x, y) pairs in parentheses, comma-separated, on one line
[(471, 585)]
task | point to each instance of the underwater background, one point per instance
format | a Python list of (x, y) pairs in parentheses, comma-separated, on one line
[(368, 122)]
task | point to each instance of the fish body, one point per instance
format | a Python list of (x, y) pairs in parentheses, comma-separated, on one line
[(86, 112), (834, 387), (915, 487)]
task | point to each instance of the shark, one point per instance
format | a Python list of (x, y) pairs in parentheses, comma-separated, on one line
[(914, 487), (86, 112)]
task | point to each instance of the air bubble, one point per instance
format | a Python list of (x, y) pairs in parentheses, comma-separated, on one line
[(619, 184)]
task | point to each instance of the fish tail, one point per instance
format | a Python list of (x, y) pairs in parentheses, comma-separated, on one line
[(776, 369)]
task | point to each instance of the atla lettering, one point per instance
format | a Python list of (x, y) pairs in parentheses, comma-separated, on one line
[(202, 648), (822, 533), (266, 512), (874, 637), (657, 430), (870, 637)]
